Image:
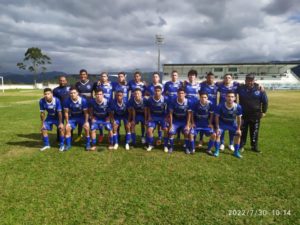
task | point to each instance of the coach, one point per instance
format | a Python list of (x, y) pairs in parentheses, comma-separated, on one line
[(254, 102)]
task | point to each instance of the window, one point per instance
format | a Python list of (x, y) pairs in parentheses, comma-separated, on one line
[(232, 69), (218, 69)]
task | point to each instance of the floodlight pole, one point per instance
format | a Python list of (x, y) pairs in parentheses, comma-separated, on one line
[(159, 40), (2, 83)]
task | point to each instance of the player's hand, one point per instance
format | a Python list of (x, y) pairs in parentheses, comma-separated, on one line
[(61, 126), (210, 126)]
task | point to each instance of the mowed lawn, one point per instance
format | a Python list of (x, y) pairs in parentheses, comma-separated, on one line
[(139, 187)]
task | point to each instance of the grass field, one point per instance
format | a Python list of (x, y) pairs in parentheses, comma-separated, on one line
[(139, 187)]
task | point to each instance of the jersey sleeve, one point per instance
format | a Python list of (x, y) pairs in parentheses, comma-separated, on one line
[(58, 105), (42, 108), (190, 104), (84, 104), (218, 110), (130, 104), (239, 110), (147, 102)]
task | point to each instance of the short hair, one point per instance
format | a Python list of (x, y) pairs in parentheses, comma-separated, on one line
[(202, 93), (227, 74), (83, 71), (98, 90), (137, 89), (193, 72), (158, 87), (210, 74), (73, 88), (230, 92), (155, 73), (61, 76), (119, 91), (137, 72), (174, 71), (180, 89), (47, 89), (122, 72)]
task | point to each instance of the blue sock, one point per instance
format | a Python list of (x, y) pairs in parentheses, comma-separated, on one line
[(159, 134), (61, 140), (46, 141), (111, 140), (127, 138), (166, 141), (217, 145), (231, 137), (151, 139), (143, 131), (236, 147), (133, 138), (171, 142), (68, 141), (101, 131), (186, 142), (192, 145), (210, 144), (115, 138), (88, 141), (94, 141)]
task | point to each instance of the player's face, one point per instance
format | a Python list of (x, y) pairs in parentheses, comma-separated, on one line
[(138, 95), (99, 96), (203, 99), (137, 77), (104, 78), (119, 96), (83, 76), (210, 79), (74, 94), (157, 92), (121, 78), (249, 82), (181, 95), (174, 76), (192, 77), (155, 78), (48, 96), (227, 79), (230, 98), (62, 81)]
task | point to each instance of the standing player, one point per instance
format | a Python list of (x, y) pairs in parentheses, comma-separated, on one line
[(99, 114), (53, 107), (105, 85), (228, 116), (121, 85), (118, 113), (179, 113), (76, 113), (203, 115), (191, 86), (156, 111)]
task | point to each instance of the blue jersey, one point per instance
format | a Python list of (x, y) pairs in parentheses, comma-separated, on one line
[(223, 89), (202, 113), (227, 116), (121, 87), (139, 107), (76, 108), (85, 88), (52, 107), (192, 90), (151, 88), (211, 90), (106, 88), (61, 92), (100, 110), (158, 108), (171, 88), (133, 85), (180, 110), (119, 110)]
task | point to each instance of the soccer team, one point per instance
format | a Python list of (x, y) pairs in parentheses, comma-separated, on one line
[(188, 107)]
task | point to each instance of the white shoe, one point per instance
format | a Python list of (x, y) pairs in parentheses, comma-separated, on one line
[(61, 148), (116, 146), (222, 147), (143, 140), (111, 147), (166, 149), (44, 148), (231, 147), (149, 148), (127, 147)]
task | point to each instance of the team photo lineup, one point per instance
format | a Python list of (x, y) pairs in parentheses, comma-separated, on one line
[(190, 108)]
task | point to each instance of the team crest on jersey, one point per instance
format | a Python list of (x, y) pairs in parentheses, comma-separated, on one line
[(256, 92), (88, 86)]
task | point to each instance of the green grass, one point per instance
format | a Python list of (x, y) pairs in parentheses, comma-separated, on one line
[(139, 187)]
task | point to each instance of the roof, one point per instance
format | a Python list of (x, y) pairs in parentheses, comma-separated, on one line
[(237, 63)]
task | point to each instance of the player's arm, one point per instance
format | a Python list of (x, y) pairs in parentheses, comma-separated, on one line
[(111, 117), (189, 119), (171, 118), (66, 114), (43, 117), (239, 123), (210, 121), (264, 101), (86, 115)]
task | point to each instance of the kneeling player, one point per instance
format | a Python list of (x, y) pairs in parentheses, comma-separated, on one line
[(53, 106), (118, 112), (203, 113), (228, 117), (179, 113), (76, 113), (99, 114)]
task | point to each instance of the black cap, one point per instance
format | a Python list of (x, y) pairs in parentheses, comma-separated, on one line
[(250, 76)]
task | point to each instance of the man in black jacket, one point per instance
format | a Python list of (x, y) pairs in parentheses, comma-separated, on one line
[(254, 102)]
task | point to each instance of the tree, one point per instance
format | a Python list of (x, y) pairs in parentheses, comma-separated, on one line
[(34, 60)]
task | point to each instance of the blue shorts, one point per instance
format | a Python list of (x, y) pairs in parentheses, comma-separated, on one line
[(98, 124), (48, 123), (231, 129), (178, 126), (73, 122), (139, 119), (155, 121), (118, 120), (207, 131)]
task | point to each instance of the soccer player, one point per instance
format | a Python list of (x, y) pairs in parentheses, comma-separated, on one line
[(76, 113), (53, 107), (156, 111), (136, 109), (171, 87), (192, 86), (228, 117), (119, 112), (179, 109), (122, 85), (203, 115), (254, 102), (105, 85), (99, 113)]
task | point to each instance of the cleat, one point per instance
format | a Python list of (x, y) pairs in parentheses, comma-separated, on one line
[(116, 146), (111, 147), (149, 148), (170, 150), (187, 152), (67, 148), (45, 148), (216, 154), (88, 148), (166, 149), (127, 147), (192, 151), (222, 147), (78, 139), (231, 147), (158, 142), (93, 148), (209, 152), (61, 148), (143, 140), (100, 138), (199, 145), (237, 154), (255, 150)]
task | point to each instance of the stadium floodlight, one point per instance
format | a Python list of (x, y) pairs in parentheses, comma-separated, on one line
[(159, 40), (2, 83)]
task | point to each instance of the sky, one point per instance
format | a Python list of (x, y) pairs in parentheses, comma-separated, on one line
[(110, 35)]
